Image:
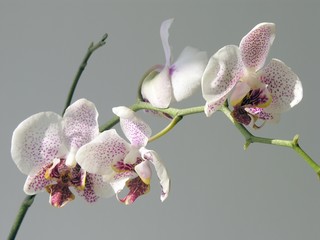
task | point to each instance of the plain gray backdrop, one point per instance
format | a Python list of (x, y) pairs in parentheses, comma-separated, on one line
[(219, 191)]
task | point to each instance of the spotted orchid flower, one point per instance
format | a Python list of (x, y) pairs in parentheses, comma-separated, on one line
[(123, 164), (258, 92), (173, 81), (44, 147)]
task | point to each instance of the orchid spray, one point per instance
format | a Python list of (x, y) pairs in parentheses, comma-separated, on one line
[(70, 153)]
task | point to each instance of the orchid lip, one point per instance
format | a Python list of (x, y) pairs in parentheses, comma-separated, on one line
[(257, 98), (64, 177)]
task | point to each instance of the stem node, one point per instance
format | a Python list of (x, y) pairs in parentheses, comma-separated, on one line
[(295, 140), (247, 144)]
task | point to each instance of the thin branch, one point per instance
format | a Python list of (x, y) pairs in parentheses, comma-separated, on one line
[(81, 68), (250, 138), (27, 202), (168, 128)]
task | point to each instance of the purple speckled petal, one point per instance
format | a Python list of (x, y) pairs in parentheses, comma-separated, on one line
[(187, 72), (212, 107), (164, 34), (260, 113), (118, 180), (37, 183), (36, 142), (95, 188), (221, 74), (80, 123), (136, 130), (101, 188), (162, 173), (254, 47), (98, 155), (283, 84)]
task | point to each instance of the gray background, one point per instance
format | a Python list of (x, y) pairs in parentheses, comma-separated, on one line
[(218, 191)]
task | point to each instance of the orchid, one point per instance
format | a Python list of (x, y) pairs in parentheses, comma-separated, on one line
[(173, 81), (44, 148), (71, 153), (123, 164), (258, 93)]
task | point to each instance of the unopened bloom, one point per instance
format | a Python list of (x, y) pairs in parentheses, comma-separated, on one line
[(173, 81), (44, 148), (258, 92), (122, 163)]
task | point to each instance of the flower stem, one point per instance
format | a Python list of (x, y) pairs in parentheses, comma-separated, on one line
[(250, 138), (171, 125), (139, 105), (177, 115), (27, 202), (81, 68)]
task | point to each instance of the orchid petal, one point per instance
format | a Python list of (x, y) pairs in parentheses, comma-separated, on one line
[(98, 155), (119, 185), (212, 107), (162, 173), (260, 113), (36, 142), (80, 123), (100, 187), (135, 129), (164, 34), (283, 84), (158, 90), (37, 183), (254, 47), (118, 181), (132, 155), (221, 74), (187, 72), (95, 188)]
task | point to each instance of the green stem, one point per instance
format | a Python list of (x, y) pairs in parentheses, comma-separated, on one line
[(177, 115), (139, 105), (171, 125), (305, 156), (81, 68), (27, 202), (250, 138)]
